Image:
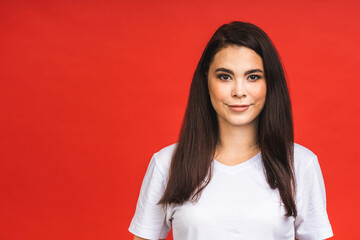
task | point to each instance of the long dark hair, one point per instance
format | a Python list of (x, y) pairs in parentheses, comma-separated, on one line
[(190, 169)]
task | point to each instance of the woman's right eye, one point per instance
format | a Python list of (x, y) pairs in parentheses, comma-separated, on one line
[(224, 77)]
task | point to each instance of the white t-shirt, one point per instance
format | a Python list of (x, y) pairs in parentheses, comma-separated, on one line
[(238, 203)]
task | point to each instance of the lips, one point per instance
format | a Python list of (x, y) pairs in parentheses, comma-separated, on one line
[(243, 105), (239, 108)]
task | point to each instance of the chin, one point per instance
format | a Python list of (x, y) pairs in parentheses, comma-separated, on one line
[(242, 123), (238, 123)]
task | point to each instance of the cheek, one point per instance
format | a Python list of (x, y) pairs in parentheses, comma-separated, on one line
[(217, 94), (259, 92)]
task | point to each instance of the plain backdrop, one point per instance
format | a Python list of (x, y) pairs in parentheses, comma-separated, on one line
[(91, 89)]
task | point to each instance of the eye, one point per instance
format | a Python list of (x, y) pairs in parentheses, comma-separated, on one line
[(254, 77), (224, 77)]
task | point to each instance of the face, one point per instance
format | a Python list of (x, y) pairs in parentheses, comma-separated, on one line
[(237, 86)]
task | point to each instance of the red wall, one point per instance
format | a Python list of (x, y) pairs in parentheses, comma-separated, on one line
[(91, 89)]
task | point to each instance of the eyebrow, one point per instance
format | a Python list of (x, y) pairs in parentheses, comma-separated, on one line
[(231, 72)]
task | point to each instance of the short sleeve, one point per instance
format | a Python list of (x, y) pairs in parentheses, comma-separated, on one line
[(312, 222), (149, 220)]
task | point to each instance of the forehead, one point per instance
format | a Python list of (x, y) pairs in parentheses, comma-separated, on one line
[(237, 58)]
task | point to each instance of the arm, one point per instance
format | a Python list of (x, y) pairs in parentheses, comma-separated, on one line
[(139, 238), (149, 220), (312, 221)]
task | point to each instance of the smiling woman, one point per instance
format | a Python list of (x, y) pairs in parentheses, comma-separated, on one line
[(235, 172), (237, 94)]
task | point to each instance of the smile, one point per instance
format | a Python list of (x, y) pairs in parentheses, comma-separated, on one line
[(238, 108)]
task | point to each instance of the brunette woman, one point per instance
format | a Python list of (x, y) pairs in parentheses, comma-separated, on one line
[(235, 172)]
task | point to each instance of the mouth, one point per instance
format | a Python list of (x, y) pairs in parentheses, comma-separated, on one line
[(243, 105), (239, 108)]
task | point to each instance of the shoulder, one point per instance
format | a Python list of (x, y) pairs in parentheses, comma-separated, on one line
[(302, 152), (163, 157), (303, 158)]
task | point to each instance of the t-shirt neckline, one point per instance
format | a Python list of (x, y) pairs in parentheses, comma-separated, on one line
[(237, 167)]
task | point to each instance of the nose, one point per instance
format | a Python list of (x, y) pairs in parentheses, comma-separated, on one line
[(239, 89)]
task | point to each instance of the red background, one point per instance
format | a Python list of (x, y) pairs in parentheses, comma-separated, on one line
[(91, 89)]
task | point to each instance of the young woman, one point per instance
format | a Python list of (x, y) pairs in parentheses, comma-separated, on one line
[(235, 172)]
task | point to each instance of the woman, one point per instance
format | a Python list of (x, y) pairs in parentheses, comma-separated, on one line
[(235, 172)]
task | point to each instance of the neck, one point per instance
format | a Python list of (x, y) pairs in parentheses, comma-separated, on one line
[(238, 140)]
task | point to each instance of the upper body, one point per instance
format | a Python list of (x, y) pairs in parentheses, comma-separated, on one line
[(237, 204), (235, 153)]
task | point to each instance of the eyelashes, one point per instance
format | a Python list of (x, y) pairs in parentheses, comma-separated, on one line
[(254, 75), (226, 77)]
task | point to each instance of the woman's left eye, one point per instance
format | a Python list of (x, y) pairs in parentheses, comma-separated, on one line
[(254, 77)]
